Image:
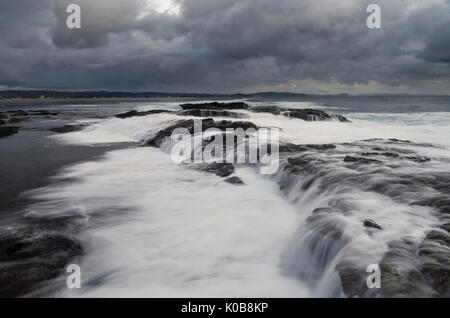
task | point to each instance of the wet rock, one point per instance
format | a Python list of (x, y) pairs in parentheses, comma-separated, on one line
[(369, 154), (372, 224), (327, 224), (31, 260), (219, 169), (206, 124), (353, 280), (396, 283), (211, 113), (234, 180), (400, 141), (446, 227), (391, 154), (340, 118), (167, 132), (300, 161), (308, 114), (215, 106), (440, 203), (400, 274), (322, 147), (350, 159), (8, 131), (66, 129), (418, 159), (17, 120), (301, 165), (43, 112), (304, 114), (293, 148), (302, 148), (440, 276), (274, 110), (19, 113), (135, 113), (434, 254), (439, 236)]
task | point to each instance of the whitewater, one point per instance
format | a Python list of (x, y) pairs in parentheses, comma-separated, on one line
[(151, 228)]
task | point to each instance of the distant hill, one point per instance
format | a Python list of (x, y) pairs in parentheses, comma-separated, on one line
[(37, 94)]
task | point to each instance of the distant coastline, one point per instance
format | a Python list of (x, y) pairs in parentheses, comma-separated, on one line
[(33, 95)]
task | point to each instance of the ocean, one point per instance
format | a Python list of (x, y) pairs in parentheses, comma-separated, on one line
[(350, 194)]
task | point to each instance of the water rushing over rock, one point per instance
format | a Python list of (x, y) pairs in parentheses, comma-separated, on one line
[(347, 195)]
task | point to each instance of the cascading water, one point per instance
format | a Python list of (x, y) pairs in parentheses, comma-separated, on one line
[(149, 227)]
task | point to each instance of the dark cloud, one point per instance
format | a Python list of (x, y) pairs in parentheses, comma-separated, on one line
[(227, 46)]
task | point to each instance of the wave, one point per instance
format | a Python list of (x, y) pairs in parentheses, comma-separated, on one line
[(347, 195)]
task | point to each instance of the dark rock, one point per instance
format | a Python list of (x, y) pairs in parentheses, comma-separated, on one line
[(434, 254), (3, 116), (446, 227), (206, 124), (391, 154), (308, 114), (440, 275), (368, 154), (372, 224), (31, 260), (225, 124), (167, 132), (135, 113), (400, 141), (418, 159), (302, 148), (326, 225), (340, 118), (353, 280), (439, 236), (17, 120), (8, 131), (301, 165), (215, 106), (234, 180), (299, 161), (305, 114), (43, 112), (401, 274), (219, 169), (2, 122), (19, 113), (211, 113), (440, 203), (350, 159), (66, 129), (274, 110), (292, 148), (322, 147)]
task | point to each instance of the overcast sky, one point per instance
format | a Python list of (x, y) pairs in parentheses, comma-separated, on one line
[(312, 46)]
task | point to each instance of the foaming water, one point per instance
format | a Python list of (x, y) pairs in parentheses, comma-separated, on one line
[(157, 229), (160, 230)]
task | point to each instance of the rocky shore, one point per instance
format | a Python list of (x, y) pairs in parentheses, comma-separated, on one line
[(40, 248), (358, 165)]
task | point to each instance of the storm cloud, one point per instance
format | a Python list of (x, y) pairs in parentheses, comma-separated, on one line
[(313, 46)]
